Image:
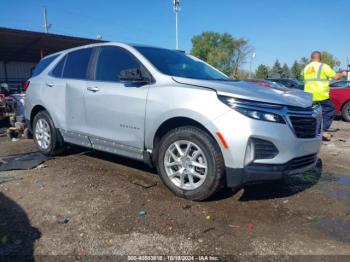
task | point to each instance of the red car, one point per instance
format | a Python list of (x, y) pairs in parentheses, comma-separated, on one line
[(340, 96)]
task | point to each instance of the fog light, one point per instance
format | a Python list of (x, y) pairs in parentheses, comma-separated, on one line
[(249, 153)]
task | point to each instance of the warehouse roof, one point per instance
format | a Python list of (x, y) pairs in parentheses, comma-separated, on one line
[(29, 46)]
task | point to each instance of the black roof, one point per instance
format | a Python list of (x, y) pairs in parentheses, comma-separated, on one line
[(28, 46)]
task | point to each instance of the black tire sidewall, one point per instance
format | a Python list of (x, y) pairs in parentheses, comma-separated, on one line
[(213, 156), (53, 144), (345, 112)]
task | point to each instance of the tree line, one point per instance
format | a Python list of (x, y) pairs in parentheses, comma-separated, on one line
[(229, 54), (278, 71)]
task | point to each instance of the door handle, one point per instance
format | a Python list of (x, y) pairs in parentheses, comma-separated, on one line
[(50, 84), (93, 89)]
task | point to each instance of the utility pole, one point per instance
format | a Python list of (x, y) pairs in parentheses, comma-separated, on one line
[(252, 64), (176, 6), (46, 24)]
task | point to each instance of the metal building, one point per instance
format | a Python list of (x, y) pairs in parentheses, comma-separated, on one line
[(20, 51)]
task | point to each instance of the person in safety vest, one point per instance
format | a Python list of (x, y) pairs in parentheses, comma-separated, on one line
[(316, 78)]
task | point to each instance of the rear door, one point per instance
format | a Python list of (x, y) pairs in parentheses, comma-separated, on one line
[(75, 74), (115, 111), (54, 94)]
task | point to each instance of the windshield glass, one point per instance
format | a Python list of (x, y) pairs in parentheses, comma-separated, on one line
[(176, 63)]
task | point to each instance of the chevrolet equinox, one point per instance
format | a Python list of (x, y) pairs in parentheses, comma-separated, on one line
[(201, 129)]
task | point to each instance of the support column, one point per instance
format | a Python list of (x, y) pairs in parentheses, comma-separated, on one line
[(5, 71)]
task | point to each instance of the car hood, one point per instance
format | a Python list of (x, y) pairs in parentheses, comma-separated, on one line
[(253, 92)]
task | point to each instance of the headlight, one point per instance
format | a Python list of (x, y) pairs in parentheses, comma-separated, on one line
[(253, 110), (260, 115)]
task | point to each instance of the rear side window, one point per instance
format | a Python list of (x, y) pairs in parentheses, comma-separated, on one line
[(77, 63), (45, 62), (111, 61), (57, 72)]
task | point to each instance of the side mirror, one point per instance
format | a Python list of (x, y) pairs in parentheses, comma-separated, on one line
[(133, 75)]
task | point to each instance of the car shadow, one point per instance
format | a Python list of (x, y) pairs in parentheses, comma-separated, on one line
[(17, 236), (289, 186), (76, 150)]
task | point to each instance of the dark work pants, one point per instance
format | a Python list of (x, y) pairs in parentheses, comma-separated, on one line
[(328, 113)]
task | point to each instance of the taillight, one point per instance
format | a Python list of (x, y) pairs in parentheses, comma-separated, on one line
[(26, 85)]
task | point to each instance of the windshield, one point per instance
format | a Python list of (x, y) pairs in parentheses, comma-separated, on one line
[(176, 63)]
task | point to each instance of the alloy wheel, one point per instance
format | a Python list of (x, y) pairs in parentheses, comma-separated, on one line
[(186, 165), (43, 134)]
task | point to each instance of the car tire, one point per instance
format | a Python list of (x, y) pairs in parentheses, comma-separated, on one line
[(186, 176), (46, 137), (345, 112)]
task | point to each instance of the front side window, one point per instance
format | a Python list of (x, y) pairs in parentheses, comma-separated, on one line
[(77, 63), (175, 63), (43, 64), (113, 60)]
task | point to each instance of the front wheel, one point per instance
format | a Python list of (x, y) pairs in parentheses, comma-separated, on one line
[(46, 137), (190, 163), (346, 112)]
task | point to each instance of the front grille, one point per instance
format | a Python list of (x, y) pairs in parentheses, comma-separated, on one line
[(310, 109), (303, 161), (264, 149), (304, 127)]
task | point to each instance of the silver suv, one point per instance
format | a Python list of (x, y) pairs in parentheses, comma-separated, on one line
[(200, 129)]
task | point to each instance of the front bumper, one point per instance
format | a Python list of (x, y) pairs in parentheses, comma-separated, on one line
[(238, 130), (255, 173)]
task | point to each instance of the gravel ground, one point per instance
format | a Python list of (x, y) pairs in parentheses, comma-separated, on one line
[(92, 203)]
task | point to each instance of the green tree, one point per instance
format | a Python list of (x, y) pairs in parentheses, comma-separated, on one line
[(276, 70), (240, 53), (222, 51), (285, 71), (303, 62), (295, 70), (262, 72), (242, 75), (329, 59)]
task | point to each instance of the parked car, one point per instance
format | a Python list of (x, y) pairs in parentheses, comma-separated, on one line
[(200, 129), (340, 96), (290, 83)]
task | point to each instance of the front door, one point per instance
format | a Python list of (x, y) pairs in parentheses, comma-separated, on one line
[(115, 111)]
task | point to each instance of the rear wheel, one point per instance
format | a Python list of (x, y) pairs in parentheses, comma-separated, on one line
[(46, 137), (190, 163), (346, 112)]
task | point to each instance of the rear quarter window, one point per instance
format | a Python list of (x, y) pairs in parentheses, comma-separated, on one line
[(43, 64), (57, 71)]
